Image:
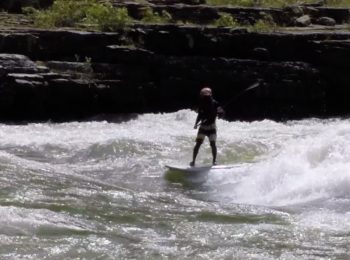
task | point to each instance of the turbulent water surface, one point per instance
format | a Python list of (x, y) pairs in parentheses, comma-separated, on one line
[(98, 190)]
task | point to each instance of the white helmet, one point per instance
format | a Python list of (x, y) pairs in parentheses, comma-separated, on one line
[(206, 91)]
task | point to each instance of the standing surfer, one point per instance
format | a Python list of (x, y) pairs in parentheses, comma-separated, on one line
[(208, 110)]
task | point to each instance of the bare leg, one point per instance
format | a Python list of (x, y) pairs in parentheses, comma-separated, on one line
[(195, 152), (213, 151)]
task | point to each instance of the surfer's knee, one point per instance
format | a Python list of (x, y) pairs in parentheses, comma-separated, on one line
[(212, 143), (199, 141)]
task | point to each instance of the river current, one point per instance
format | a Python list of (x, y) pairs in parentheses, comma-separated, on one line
[(99, 190)]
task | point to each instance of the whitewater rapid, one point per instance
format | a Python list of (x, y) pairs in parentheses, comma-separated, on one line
[(100, 190)]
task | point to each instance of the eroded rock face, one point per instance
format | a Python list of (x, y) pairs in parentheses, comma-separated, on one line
[(64, 75), (70, 75)]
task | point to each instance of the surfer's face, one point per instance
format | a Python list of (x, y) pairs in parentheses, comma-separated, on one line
[(206, 98)]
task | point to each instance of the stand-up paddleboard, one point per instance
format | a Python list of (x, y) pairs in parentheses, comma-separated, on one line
[(188, 169), (197, 169), (194, 175), (187, 175)]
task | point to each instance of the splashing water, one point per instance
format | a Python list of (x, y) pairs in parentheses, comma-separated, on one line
[(99, 190)]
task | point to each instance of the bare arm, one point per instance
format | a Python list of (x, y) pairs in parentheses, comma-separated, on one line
[(197, 121), (221, 112)]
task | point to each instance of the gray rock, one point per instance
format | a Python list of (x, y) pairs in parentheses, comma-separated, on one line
[(16, 63), (312, 11), (303, 21), (326, 21)]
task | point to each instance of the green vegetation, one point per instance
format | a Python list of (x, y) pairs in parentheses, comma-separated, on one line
[(90, 13), (263, 26), (75, 13), (266, 24), (149, 16), (226, 20), (102, 15), (339, 3), (107, 17)]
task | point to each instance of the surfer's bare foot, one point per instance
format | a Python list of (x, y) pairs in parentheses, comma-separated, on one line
[(214, 163), (192, 164)]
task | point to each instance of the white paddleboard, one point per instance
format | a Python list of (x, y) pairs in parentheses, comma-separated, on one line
[(197, 169), (197, 174), (188, 169)]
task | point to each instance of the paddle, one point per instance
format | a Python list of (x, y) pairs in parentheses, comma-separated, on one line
[(253, 86)]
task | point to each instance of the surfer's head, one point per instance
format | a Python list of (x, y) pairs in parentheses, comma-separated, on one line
[(205, 92)]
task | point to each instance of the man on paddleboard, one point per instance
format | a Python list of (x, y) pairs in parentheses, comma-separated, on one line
[(208, 110)]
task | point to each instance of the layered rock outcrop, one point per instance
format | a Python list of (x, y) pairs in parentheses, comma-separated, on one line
[(69, 75), (72, 75)]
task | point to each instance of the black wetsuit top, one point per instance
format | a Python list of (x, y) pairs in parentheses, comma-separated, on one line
[(207, 112)]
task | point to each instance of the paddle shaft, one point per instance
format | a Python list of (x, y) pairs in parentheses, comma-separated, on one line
[(253, 86)]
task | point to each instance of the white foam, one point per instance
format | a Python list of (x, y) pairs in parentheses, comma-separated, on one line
[(295, 162), (304, 162)]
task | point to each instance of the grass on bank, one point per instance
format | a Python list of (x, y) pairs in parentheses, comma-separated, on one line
[(226, 20), (265, 24), (90, 13), (70, 13), (149, 16), (105, 17), (95, 14)]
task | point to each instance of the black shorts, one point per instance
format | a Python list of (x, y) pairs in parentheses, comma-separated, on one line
[(207, 130)]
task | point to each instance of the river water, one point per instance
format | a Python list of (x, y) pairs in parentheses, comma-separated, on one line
[(99, 190)]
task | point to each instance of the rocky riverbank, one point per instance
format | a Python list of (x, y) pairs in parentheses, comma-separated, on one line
[(66, 74)]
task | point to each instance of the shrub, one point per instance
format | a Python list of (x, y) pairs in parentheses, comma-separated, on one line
[(107, 17), (149, 16), (226, 20), (71, 13), (63, 13)]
